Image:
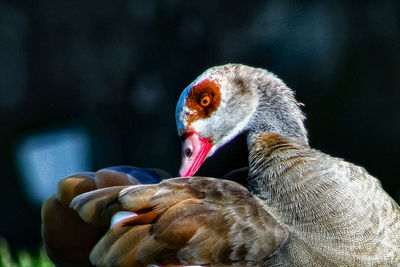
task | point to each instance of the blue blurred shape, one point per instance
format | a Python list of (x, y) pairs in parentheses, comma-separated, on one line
[(143, 175), (45, 158)]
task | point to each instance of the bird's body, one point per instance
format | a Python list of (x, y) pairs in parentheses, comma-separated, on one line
[(301, 207), (335, 212)]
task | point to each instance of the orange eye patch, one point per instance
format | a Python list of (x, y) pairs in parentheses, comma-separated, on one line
[(203, 99)]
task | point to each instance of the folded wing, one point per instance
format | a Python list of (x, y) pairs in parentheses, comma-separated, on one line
[(186, 221)]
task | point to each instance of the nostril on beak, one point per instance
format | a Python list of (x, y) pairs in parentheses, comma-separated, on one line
[(188, 152)]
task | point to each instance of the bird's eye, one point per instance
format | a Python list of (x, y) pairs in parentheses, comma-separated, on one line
[(205, 100)]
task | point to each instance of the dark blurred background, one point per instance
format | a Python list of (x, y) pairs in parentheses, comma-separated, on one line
[(90, 84)]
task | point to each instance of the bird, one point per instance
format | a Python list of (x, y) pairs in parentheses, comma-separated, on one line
[(292, 206)]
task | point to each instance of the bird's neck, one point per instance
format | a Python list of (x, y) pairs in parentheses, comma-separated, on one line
[(272, 162), (276, 168), (288, 177), (276, 132), (277, 110)]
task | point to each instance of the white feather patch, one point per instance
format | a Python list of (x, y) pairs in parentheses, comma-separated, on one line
[(120, 216)]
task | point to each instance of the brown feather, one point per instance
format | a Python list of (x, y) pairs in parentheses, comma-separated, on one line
[(119, 246), (144, 218), (72, 186), (98, 206), (137, 197), (178, 224), (107, 178)]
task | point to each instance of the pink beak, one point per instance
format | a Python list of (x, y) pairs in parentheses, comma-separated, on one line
[(194, 152)]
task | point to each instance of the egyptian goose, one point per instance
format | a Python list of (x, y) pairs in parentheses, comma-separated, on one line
[(299, 206)]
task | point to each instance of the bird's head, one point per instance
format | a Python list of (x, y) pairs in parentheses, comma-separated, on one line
[(216, 107)]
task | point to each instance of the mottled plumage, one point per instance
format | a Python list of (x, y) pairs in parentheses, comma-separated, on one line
[(298, 206), (336, 213)]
